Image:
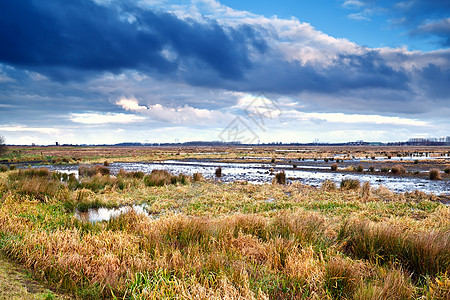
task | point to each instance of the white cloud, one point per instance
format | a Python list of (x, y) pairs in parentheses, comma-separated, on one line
[(105, 118), (352, 4), (176, 115), (21, 128)]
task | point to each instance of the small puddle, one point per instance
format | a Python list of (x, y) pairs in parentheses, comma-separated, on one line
[(105, 214)]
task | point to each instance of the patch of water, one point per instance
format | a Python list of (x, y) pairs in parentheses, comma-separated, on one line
[(105, 214), (259, 173)]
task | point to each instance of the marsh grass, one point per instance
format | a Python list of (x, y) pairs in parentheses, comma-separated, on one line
[(398, 169), (328, 185), (350, 184), (422, 253), (37, 183), (226, 241), (90, 171), (435, 174), (280, 178)]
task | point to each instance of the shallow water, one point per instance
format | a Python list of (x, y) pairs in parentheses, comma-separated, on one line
[(259, 173), (105, 214)]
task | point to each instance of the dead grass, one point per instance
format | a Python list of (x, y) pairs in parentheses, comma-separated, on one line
[(230, 241)]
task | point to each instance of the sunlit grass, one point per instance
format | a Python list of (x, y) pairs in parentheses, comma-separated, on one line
[(207, 239)]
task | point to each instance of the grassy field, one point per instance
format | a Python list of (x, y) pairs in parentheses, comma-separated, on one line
[(209, 240)]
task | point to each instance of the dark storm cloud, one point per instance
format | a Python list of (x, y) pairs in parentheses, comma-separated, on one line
[(58, 37), (435, 81), (346, 72), (73, 40)]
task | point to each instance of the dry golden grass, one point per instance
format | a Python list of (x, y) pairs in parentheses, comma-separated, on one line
[(230, 241)]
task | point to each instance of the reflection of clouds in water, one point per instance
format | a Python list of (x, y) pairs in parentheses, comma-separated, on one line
[(105, 214), (259, 173)]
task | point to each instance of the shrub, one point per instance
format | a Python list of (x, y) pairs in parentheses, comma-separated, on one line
[(12, 167), (416, 161), (334, 167), (272, 160), (350, 184), (280, 177), (435, 174), (158, 178), (447, 170), (372, 169), (3, 168), (294, 166), (2, 145), (384, 169), (325, 159), (198, 177), (398, 169), (360, 168), (106, 163), (218, 172)]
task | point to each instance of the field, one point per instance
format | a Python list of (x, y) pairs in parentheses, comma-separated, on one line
[(204, 239)]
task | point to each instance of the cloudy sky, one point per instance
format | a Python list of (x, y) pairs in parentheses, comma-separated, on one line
[(111, 71)]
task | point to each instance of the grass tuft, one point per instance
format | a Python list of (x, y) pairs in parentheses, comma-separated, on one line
[(350, 184), (435, 174)]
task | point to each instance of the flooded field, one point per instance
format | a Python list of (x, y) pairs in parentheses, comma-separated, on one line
[(309, 173)]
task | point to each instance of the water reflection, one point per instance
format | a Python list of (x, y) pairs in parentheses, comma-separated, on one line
[(259, 173), (105, 214)]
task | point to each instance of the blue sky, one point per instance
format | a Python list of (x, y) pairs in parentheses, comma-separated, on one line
[(102, 71)]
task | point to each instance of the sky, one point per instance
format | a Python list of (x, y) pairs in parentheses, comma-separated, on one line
[(151, 71)]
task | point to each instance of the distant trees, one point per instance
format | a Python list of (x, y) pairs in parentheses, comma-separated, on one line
[(2, 145)]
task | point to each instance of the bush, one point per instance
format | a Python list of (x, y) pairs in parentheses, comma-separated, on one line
[(416, 161), (384, 169), (219, 172), (3, 168), (447, 170), (334, 167), (350, 184), (372, 169), (360, 168), (435, 174), (398, 169), (280, 178), (3, 148)]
